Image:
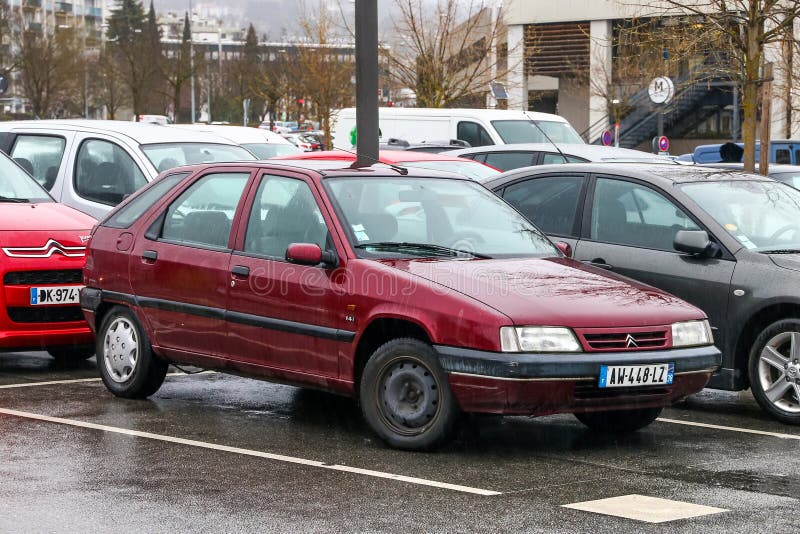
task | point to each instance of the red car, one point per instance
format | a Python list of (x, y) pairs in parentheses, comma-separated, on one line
[(420, 293), (420, 160), (43, 247)]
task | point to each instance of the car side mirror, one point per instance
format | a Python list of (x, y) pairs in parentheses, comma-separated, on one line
[(565, 248), (695, 242), (310, 254)]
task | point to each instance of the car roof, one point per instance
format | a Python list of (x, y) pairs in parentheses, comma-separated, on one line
[(590, 152), (661, 174), (394, 157), (236, 134), (139, 132), (328, 168), (773, 167)]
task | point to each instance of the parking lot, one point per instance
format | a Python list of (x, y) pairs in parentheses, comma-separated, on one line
[(217, 452)]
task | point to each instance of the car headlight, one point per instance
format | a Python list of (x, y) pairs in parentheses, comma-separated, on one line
[(538, 339), (692, 333)]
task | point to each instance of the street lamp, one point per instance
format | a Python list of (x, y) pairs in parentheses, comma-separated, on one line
[(191, 58)]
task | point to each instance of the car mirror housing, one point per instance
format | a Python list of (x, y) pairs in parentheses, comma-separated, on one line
[(695, 242), (309, 254), (565, 248)]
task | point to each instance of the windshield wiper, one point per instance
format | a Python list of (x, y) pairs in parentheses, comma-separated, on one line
[(15, 200), (427, 247), (781, 251)]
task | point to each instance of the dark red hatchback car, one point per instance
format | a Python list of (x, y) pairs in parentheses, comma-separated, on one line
[(421, 294)]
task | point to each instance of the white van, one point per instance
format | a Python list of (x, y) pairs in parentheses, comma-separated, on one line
[(478, 127)]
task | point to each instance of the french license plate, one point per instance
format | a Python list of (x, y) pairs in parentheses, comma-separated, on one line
[(613, 376), (55, 295)]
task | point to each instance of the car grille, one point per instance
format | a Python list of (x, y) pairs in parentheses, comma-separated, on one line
[(587, 391), (45, 314), (602, 340), (19, 278)]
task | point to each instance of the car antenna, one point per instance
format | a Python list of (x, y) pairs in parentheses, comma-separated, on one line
[(550, 140), (401, 170)]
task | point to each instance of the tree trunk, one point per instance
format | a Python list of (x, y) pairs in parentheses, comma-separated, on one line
[(750, 98)]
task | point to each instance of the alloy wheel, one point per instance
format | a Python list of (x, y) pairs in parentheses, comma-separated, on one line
[(779, 371)]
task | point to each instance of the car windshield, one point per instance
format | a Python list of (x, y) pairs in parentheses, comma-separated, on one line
[(16, 185), (271, 150), (165, 156), (791, 178), (524, 131), (468, 168), (411, 216), (762, 216)]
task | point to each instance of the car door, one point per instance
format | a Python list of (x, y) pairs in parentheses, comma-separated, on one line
[(283, 315), (629, 228), (179, 269), (553, 202)]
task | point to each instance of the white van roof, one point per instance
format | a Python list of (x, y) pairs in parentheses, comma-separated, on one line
[(485, 114), (236, 134)]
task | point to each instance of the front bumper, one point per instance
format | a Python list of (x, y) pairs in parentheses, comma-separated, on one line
[(540, 384)]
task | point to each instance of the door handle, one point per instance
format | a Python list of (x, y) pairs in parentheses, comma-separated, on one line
[(240, 270), (600, 262), (149, 256)]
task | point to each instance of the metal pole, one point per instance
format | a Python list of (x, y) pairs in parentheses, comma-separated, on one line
[(735, 120), (366, 26), (191, 57)]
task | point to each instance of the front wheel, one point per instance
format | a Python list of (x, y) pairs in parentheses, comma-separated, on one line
[(405, 396), (774, 368), (619, 421), (127, 364)]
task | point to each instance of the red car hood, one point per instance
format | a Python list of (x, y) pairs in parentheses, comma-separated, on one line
[(554, 291), (47, 216)]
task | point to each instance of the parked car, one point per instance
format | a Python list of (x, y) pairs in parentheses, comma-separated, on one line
[(92, 165), (510, 157), (789, 174), (726, 241), (781, 151), (263, 144), (432, 147), (478, 127), (43, 247), (305, 142), (308, 277), (403, 158)]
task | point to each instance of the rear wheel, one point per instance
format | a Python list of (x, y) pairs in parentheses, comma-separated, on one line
[(127, 364), (774, 368), (619, 421), (405, 396), (71, 355)]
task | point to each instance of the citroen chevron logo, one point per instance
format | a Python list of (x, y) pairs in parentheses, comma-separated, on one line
[(630, 342), (48, 249)]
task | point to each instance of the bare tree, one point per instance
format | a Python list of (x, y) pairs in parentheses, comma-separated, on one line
[(749, 26), (106, 85), (444, 50), (176, 69), (48, 64)]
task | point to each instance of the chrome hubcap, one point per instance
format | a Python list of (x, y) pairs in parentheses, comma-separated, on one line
[(120, 349), (409, 396), (779, 371)]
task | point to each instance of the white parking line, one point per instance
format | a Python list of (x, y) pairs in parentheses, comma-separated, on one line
[(248, 452), (79, 380), (730, 428)]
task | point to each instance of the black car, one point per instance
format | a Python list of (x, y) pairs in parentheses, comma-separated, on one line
[(726, 241)]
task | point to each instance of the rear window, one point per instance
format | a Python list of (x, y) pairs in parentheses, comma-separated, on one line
[(129, 212), (165, 156), (271, 150)]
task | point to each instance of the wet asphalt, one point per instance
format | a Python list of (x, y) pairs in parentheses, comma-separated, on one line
[(58, 477)]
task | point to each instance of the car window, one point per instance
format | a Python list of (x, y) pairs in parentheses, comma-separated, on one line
[(203, 214), (17, 184), (40, 155), (473, 133), (796, 157), (626, 213), (105, 173), (129, 213), (791, 178), (550, 157), (506, 161), (271, 150), (783, 156), (165, 156), (284, 211), (551, 202), (527, 131)]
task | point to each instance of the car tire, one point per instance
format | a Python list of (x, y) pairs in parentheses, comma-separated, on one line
[(125, 358), (774, 370), (619, 421), (71, 355), (405, 396)]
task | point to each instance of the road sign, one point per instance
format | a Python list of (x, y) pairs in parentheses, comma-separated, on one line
[(607, 138), (663, 144), (661, 90)]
